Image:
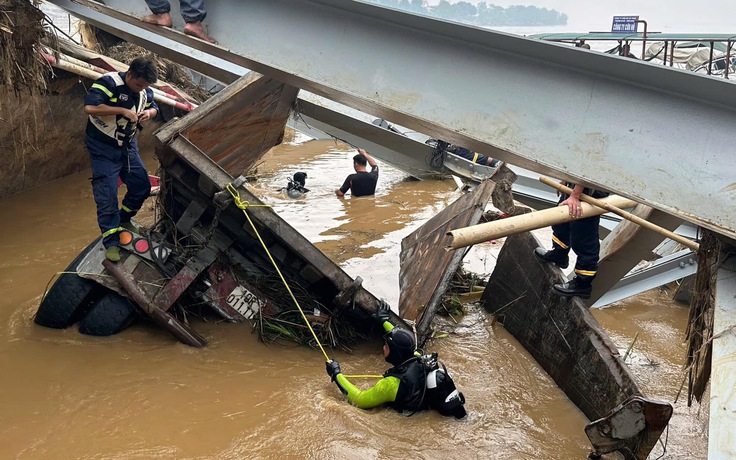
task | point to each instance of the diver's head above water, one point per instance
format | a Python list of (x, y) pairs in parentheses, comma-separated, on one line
[(399, 346)]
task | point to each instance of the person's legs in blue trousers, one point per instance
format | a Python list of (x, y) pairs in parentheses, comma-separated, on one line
[(135, 177), (110, 163), (107, 161), (158, 6), (191, 10)]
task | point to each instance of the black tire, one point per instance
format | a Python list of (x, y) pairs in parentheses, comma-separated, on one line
[(112, 313), (69, 298)]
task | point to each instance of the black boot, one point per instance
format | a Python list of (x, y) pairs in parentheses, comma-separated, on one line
[(576, 287), (554, 256)]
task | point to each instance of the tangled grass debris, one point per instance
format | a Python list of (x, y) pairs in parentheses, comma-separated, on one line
[(465, 287), (21, 33)]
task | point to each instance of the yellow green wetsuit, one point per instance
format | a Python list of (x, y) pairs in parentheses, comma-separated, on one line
[(384, 391)]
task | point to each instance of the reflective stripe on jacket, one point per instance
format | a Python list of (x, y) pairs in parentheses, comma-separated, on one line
[(111, 90)]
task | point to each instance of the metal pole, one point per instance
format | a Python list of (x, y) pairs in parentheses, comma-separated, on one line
[(672, 52), (728, 57), (475, 234), (92, 72), (644, 38)]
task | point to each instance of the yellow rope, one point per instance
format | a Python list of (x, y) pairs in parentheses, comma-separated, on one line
[(244, 205)]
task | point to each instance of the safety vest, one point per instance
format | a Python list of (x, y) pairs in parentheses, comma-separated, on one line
[(116, 129)]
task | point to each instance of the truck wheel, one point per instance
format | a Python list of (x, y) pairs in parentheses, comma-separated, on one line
[(111, 314), (69, 298)]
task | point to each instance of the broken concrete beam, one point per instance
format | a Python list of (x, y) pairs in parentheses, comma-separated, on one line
[(566, 340)]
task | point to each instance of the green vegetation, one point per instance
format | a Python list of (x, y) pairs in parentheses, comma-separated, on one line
[(484, 14)]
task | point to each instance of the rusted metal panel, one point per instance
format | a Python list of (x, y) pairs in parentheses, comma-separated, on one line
[(564, 338), (195, 167), (182, 280), (181, 331), (238, 125), (559, 332), (425, 267), (221, 285)]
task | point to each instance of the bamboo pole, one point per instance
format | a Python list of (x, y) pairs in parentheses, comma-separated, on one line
[(188, 106), (93, 73), (468, 236), (626, 215)]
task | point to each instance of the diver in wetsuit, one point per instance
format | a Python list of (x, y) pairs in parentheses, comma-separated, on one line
[(295, 188), (404, 386)]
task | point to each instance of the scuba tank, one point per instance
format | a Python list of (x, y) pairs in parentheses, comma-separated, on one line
[(442, 394)]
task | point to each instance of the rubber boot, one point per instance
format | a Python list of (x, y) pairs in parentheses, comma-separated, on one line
[(576, 287), (554, 256), (113, 254)]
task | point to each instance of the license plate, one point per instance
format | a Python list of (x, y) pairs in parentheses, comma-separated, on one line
[(244, 301)]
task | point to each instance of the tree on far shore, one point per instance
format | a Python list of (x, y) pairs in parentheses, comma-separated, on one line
[(484, 14)]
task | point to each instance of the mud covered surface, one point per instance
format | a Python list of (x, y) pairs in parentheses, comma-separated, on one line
[(21, 31), (140, 395)]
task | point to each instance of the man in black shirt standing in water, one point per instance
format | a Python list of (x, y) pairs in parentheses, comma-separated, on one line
[(362, 183)]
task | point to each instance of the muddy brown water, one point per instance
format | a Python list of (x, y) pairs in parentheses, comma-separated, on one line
[(141, 395)]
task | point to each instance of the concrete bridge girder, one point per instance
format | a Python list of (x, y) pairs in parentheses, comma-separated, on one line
[(625, 246), (640, 130), (721, 435)]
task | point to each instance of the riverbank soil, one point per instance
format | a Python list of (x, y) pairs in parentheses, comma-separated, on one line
[(42, 136), (21, 31)]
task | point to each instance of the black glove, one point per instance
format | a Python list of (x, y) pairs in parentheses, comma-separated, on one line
[(333, 368), (383, 312)]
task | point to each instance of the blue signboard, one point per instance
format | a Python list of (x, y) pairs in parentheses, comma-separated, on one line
[(624, 24)]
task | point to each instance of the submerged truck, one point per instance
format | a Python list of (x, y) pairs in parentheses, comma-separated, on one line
[(214, 248)]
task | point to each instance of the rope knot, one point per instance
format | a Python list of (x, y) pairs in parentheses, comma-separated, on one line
[(236, 197)]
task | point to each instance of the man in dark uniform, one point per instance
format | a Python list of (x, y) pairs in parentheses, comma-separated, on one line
[(116, 104), (580, 235), (475, 157), (362, 183), (404, 387)]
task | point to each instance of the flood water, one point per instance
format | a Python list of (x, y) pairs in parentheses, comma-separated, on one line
[(141, 395)]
